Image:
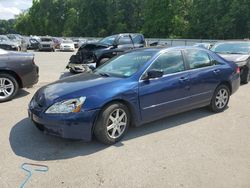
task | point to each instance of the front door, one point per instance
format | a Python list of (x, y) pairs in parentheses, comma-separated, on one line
[(168, 94)]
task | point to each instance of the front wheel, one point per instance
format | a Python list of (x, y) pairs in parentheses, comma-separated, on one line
[(220, 99), (112, 123), (8, 87)]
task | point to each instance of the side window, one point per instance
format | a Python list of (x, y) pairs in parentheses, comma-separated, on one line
[(138, 39), (197, 58), (124, 40), (170, 62)]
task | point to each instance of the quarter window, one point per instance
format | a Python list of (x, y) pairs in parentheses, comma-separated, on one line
[(170, 62), (197, 59)]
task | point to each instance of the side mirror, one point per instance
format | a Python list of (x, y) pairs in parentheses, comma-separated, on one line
[(153, 74)]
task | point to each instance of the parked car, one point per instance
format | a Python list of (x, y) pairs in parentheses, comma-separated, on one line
[(67, 45), (47, 44), (17, 70), (134, 88), (57, 42), (103, 50), (237, 52), (7, 44), (204, 45), (33, 44), (20, 40)]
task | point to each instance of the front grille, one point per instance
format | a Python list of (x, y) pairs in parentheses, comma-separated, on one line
[(46, 45)]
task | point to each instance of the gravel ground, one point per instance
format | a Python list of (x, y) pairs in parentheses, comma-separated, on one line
[(192, 149)]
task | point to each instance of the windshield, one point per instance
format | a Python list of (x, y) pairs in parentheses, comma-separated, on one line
[(67, 41), (125, 65), (46, 40), (232, 48), (108, 40)]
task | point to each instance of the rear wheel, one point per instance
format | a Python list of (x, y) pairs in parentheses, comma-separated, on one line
[(220, 99), (8, 87), (112, 123)]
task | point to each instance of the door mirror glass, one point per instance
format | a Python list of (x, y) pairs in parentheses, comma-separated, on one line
[(154, 74)]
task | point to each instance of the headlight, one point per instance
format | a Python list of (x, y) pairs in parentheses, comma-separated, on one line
[(67, 106)]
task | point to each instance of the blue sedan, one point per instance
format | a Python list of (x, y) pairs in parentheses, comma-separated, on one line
[(134, 88)]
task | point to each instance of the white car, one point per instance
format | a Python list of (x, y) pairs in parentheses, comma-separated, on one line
[(67, 45)]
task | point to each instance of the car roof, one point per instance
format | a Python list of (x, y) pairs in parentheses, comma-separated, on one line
[(161, 49)]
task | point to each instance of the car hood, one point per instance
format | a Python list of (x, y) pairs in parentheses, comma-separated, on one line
[(235, 57), (72, 87), (67, 44), (9, 43)]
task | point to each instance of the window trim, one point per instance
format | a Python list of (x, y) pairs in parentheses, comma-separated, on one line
[(188, 63), (184, 63)]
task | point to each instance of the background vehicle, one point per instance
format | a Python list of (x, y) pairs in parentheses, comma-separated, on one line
[(20, 40), (204, 45), (237, 52), (47, 44), (105, 49), (17, 70), (33, 44), (67, 45), (7, 44), (136, 87)]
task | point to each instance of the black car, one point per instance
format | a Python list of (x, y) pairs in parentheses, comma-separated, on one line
[(237, 52), (103, 50), (17, 70)]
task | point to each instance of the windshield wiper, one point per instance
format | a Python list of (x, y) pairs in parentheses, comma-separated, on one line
[(104, 74)]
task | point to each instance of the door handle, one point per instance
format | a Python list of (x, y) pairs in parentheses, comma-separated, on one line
[(216, 71), (184, 79)]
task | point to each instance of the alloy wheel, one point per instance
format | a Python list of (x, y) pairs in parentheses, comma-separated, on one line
[(117, 123), (6, 88), (221, 98)]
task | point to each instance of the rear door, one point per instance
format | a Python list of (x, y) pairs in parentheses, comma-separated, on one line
[(204, 75), (168, 94)]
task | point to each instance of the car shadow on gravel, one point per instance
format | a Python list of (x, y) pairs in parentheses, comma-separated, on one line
[(28, 142), (22, 93)]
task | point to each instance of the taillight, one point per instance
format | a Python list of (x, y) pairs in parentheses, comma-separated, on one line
[(238, 70)]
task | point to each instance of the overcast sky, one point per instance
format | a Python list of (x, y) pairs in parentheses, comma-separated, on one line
[(9, 8)]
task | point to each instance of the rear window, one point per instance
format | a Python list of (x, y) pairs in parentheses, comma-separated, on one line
[(232, 48)]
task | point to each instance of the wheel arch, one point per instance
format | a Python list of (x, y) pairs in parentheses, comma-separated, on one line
[(15, 75), (228, 84), (122, 101)]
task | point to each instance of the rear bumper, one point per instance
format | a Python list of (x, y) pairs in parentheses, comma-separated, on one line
[(235, 83), (71, 126), (31, 78)]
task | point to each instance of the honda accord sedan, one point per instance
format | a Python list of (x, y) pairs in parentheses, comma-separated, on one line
[(132, 89)]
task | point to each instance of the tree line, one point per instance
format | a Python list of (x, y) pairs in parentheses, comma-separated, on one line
[(210, 19)]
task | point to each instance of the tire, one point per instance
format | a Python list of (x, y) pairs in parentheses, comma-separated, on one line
[(8, 87), (102, 61), (245, 76), (220, 99), (109, 123)]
